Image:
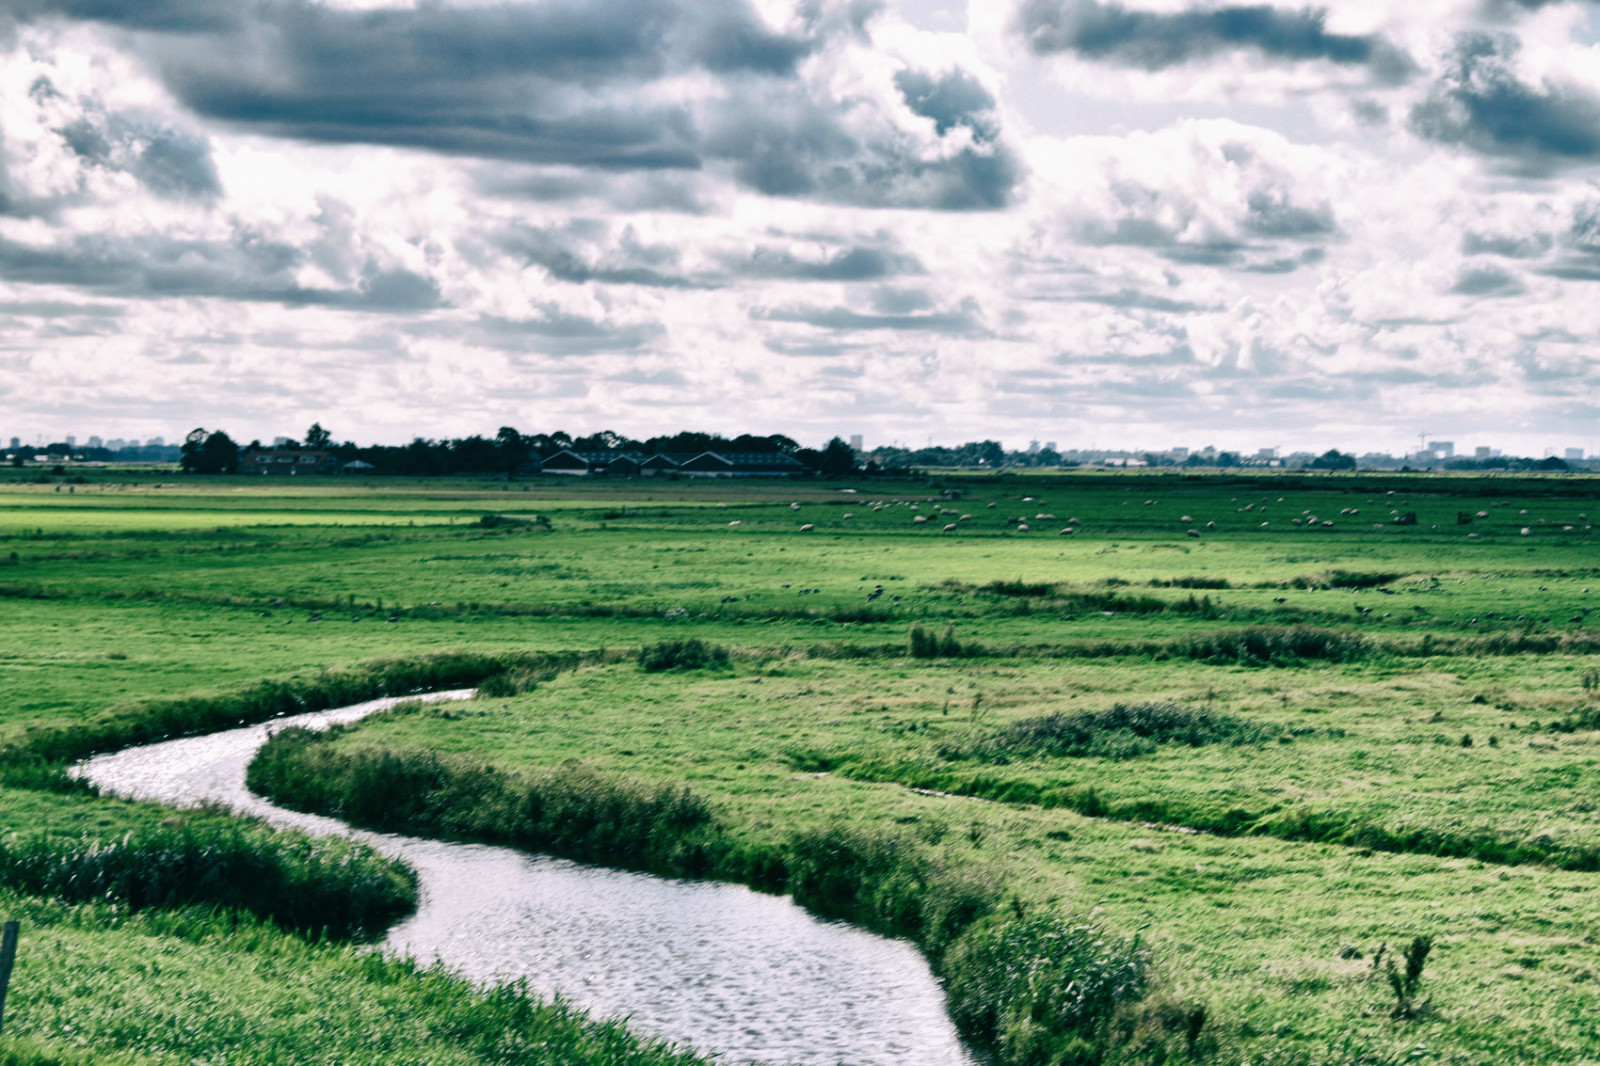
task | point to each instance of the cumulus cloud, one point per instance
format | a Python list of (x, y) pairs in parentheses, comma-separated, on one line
[(1139, 214)]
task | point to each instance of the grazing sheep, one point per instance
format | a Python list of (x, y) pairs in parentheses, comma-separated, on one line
[(1022, 527), (733, 523), (950, 528), (1069, 531), (849, 514), (1211, 525), (794, 507), (808, 527), (1192, 532), (921, 518)]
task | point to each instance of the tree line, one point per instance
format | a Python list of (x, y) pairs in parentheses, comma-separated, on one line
[(509, 452)]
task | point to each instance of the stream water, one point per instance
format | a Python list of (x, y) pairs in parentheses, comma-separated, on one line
[(725, 970)]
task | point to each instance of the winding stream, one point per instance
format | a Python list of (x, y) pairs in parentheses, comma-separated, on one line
[(722, 969)]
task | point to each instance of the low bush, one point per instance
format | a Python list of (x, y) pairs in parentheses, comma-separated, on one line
[(692, 654), (1120, 733), (1191, 582)]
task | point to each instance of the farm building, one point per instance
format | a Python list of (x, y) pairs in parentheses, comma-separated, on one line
[(288, 462)]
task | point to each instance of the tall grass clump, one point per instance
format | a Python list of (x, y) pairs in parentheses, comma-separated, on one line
[(1122, 732), (1275, 646), (1038, 991), (921, 644), (888, 883), (692, 654), (330, 886), (565, 811)]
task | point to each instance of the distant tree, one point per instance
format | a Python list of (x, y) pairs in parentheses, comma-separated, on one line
[(1554, 462), (837, 459), (604, 441), (513, 450), (209, 453), (1333, 459), (317, 437), (991, 454)]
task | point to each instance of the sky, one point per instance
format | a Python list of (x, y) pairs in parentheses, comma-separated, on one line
[(1103, 223)]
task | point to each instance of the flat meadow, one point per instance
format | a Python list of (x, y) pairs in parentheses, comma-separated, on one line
[(1261, 731)]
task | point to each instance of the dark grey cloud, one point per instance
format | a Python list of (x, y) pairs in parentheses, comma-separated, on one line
[(555, 333), (1151, 40), (953, 99), (169, 162), (1162, 238), (567, 82), (1580, 247), (1270, 213), (783, 144), (160, 16), (858, 263), (627, 263), (1531, 246), (1487, 281), (246, 268), (1479, 104)]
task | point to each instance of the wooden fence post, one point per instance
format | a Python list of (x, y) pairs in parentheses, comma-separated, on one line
[(8, 956)]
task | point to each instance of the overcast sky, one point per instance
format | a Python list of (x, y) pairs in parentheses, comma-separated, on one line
[(1095, 222)]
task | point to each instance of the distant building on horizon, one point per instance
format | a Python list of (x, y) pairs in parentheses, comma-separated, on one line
[(1482, 451), (855, 442), (1574, 453)]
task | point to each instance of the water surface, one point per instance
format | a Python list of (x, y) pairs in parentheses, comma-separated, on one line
[(720, 968)]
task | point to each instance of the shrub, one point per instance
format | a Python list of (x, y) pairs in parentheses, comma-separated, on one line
[(692, 654), (1039, 991), (1276, 645), (1121, 732)]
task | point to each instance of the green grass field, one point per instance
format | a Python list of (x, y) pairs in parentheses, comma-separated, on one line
[(1374, 729)]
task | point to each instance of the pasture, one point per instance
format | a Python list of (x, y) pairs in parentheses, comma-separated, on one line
[(1264, 724)]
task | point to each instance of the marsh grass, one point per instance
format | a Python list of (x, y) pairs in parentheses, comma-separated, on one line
[(321, 886), (566, 811), (1122, 732), (1040, 991)]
